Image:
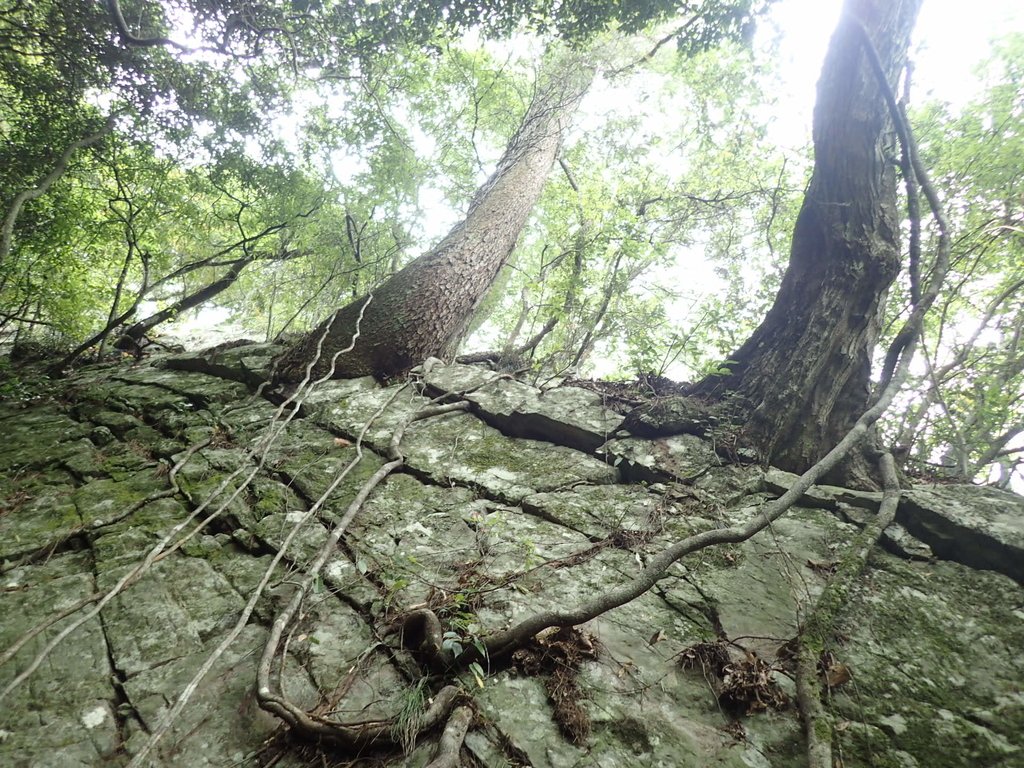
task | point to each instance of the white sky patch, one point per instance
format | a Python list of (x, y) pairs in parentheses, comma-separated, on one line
[(948, 44)]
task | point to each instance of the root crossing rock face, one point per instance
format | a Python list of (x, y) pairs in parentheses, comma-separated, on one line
[(252, 582)]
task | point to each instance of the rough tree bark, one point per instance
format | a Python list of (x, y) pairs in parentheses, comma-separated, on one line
[(803, 377), (423, 309)]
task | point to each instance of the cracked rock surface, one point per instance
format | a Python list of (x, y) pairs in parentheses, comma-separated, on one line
[(528, 500)]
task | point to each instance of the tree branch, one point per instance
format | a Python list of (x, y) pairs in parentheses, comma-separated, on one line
[(44, 184)]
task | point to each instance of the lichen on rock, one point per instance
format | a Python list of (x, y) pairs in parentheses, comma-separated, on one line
[(522, 501)]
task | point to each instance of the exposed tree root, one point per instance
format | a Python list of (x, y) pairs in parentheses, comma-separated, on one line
[(360, 735), (506, 641), (450, 743), (817, 630), (319, 728), (420, 631)]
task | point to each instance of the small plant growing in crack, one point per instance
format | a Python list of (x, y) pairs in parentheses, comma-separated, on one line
[(407, 720)]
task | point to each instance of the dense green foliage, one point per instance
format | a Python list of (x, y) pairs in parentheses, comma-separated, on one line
[(970, 406), (315, 147), (686, 173), (92, 92)]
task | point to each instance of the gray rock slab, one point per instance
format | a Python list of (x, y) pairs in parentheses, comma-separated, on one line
[(460, 448), (35, 510), (41, 437), (312, 460), (330, 393), (411, 537), (568, 416), (248, 363), (488, 524), (824, 496), (64, 714), (600, 510), (374, 412), (171, 612), (222, 724), (979, 527), (934, 650), (682, 458)]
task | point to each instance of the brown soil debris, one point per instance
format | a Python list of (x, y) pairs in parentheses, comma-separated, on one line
[(558, 657), (743, 686)]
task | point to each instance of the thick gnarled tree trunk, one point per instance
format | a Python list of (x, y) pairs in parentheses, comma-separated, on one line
[(804, 375), (423, 309)]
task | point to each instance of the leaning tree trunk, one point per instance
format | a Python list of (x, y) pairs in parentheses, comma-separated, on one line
[(803, 377), (131, 339), (423, 309)]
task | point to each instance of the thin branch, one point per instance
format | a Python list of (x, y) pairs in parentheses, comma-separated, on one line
[(114, 7), (595, 325), (513, 354), (568, 174), (44, 184), (997, 448), (57, 369), (675, 34)]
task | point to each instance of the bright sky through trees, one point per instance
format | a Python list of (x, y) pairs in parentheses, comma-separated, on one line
[(659, 239), (948, 46), (949, 41)]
